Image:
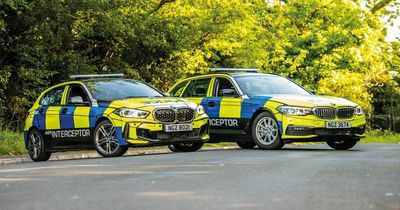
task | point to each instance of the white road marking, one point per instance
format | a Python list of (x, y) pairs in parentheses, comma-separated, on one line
[(47, 167)]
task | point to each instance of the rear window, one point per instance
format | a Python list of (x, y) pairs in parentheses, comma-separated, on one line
[(53, 97)]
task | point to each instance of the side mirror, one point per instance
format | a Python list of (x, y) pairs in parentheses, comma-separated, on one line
[(78, 100), (227, 92)]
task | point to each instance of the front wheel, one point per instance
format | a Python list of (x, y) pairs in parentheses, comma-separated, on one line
[(342, 144), (265, 132), (36, 148), (105, 140), (186, 147)]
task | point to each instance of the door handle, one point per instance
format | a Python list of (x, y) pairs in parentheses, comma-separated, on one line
[(211, 104), (64, 111)]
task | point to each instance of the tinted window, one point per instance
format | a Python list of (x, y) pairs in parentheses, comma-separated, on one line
[(177, 91), (121, 89), (53, 97), (268, 84), (77, 95), (197, 88), (223, 84)]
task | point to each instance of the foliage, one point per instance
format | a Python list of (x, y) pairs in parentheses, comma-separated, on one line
[(42, 42), (348, 85)]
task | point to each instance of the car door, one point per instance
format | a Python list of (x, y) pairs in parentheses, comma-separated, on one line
[(197, 91), (48, 114), (74, 117), (226, 105)]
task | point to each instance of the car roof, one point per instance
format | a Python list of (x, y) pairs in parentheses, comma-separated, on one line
[(231, 74)]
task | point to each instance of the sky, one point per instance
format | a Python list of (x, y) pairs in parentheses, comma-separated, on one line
[(393, 31)]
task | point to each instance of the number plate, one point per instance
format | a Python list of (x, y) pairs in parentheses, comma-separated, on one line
[(178, 127), (338, 124)]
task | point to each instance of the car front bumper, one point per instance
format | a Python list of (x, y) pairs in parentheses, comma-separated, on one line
[(311, 128), (151, 133)]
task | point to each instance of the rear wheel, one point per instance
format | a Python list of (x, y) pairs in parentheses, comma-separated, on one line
[(36, 147), (186, 147), (342, 144), (105, 140), (265, 132), (246, 145)]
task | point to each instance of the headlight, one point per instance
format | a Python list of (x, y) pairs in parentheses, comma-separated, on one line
[(200, 110), (292, 110), (358, 110), (132, 113)]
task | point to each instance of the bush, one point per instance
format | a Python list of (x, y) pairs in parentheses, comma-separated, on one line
[(348, 85)]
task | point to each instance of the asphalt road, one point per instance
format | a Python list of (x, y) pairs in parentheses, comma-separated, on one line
[(297, 177)]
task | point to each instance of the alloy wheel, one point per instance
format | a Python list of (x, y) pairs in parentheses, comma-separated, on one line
[(267, 130), (106, 139)]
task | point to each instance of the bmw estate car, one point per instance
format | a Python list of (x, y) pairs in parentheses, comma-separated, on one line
[(111, 114), (269, 110)]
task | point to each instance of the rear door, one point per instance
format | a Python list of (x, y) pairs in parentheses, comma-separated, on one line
[(47, 114), (197, 91)]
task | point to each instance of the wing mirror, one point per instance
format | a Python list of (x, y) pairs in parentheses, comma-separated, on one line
[(78, 100), (227, 92)]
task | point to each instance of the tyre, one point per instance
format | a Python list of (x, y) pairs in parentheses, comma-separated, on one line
[(246, 145), (105, 140), (187, 147), (265, 132), (172, 148), (342, 144), (36, 147)]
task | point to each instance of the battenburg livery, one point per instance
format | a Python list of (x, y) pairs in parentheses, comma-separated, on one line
[(269, 110), (109, 114)]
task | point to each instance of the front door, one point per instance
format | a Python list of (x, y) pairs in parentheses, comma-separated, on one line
[(225, 108), (74, 118)]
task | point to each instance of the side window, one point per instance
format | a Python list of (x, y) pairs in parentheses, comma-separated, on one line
[(197, 88), (177, 91), (76, 95), (53, 97), (224, 88)]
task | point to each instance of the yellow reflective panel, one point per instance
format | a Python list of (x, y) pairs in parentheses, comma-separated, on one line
[(81, 117), (230, 108), (53, 118)]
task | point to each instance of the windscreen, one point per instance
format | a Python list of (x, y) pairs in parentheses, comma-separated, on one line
[(268, 84), (108, 90)]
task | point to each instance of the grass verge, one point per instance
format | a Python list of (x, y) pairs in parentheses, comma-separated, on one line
[(12, 143), (380, 136)]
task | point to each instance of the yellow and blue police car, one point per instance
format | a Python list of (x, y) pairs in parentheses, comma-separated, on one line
[(109, 114), (269, 110)]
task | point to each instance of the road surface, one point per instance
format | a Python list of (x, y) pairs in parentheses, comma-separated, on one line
[(297, 177)]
